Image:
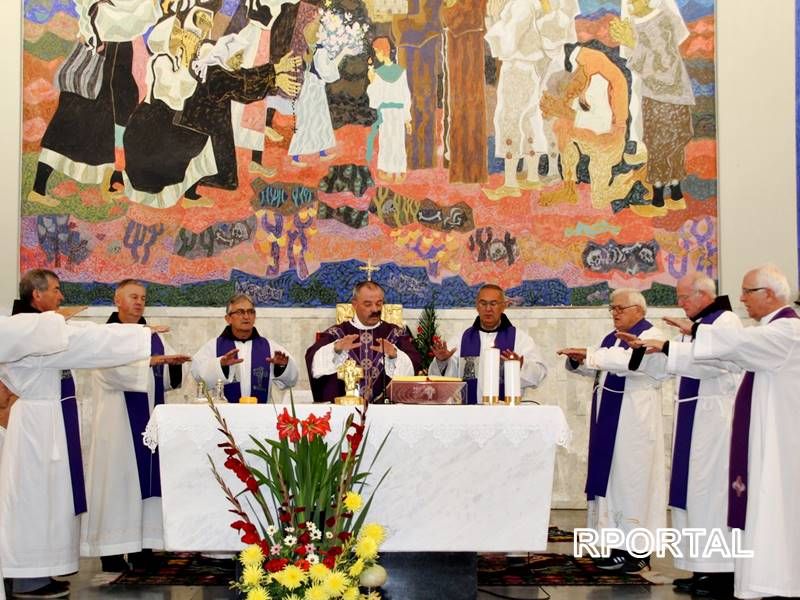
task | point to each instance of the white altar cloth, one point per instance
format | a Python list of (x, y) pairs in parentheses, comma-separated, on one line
[(462, 478)]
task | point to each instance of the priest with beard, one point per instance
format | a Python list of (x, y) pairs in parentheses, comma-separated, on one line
[(383, 350)]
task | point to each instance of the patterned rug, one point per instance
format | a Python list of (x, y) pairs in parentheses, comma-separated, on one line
[(181, 568), (547, 570)]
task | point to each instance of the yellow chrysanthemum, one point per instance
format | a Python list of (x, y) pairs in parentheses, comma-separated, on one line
[(290, 577), (318, 572), (373, 595), (352, 501), (252, 575), (258, 593), (356, 568), (366, 548), (336, 583), (374, 531), (351, 593), (316, 592), (252, 555)]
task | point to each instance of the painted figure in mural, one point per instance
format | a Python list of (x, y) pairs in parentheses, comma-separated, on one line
[(419, 45), (465, 142), (313, 126), (222, 81), (655, 31), (267, 26), (193, 143), (526, 37), (590, 119), (389, 95), (80, 138), (164, 162)]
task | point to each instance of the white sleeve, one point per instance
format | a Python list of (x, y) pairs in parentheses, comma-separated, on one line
[(533, 368), (93, 346), (326, 361), (32, 333), (449, 368), (288, 378), (206, 366), (763, 348), (616, 359), (401, 365), (132, 377)]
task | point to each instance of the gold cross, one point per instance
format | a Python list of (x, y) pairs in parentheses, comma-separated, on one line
[(369, 269)]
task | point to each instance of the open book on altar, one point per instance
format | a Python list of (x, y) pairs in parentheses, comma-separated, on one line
[(422, 389)]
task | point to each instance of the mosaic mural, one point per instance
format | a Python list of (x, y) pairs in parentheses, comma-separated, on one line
[(560, 148)]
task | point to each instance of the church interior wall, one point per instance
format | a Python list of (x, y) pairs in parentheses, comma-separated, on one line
[(757, 215)]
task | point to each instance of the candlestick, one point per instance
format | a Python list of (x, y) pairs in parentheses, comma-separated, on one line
[(490, 375), (511, 381)]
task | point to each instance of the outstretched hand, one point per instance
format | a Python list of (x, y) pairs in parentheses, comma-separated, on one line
[(511, 355), (441, 351), (231, 357), (684, 325), (385, 346), (169, 359), (70, 311), (576, 354), (279, 359)]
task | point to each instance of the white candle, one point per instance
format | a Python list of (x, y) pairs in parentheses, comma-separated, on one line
[(490, 375), (511, 381)]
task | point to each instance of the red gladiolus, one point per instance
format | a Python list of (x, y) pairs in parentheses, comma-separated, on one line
[(355, 438), (250, 538), (335, 551), (344, 536), (288, 426), (330, 521), (285, 517), (276, 564), (329, 562), (300, 550), (303, 564), (314, 426), (252, 484), (264, 547), (303, 538)]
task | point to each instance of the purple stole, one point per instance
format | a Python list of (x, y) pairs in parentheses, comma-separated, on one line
[(740, 441), (471, 347), (259, 369), (138, 405), (688, 388), (72, 432), (603, 423)]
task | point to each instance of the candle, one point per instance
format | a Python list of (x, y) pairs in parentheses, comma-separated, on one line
[(511, 382), (490, 375)]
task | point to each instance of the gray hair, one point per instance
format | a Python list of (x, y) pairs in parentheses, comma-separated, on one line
[(701, 282), (35, 279), (236, 298), (771, 277), (634, 297), (366, 284), (492, 286)]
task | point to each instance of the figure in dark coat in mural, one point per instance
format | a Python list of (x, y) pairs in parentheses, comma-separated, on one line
[(79, 140), (464, 87), (182, 135)]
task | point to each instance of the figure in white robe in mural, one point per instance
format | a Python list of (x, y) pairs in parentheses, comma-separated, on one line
[(118, 520), (771, 351), (390, 96), (39, 530), (653, 35), (80, 139)]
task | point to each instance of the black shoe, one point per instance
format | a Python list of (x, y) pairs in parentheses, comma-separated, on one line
[(114, 564), (675, 191), (658, 196), (615, 562), (685, 584), (633, 564), (714, 585), (141, 561), (54, 589)]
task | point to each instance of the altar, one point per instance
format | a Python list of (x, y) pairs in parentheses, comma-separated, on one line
[(460, 478)]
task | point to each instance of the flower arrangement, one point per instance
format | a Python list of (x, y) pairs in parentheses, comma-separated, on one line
[(427, 336), (339, 31), (309, 541)]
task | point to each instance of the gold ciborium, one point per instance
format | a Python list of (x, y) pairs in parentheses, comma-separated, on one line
[(351, 374)]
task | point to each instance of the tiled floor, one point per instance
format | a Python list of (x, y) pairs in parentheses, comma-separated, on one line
[(88, 584)]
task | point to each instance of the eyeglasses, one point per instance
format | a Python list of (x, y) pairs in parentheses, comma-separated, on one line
[(492, 304), (241, 312), (618, 309), (684, 297), (746, 291)]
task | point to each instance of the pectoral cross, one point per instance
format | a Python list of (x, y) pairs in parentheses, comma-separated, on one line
[(369, 269)]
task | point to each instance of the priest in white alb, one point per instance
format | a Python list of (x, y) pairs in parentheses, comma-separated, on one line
[(123, 477), (461, 356)]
